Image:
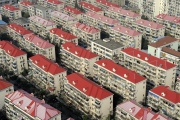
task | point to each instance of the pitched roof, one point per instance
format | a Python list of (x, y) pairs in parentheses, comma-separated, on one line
[(9, 7), (46, 64), (11, 49), (85, 28), (78, 51), (72, 10), (19, 29), (26, 3), (124, 12), (55, 2), (149, 24), (125, 30), (90, 6), (87, 86), (163, 41), (41, 21), (169, 18), (171, 51), (62, 34), (168, 94), (39, 42), (148, 58), (4, 84), (107, 3), (62, 16), (129, 75), (31, 105)]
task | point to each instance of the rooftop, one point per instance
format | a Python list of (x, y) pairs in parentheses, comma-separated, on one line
[(25, 3), (110, 44), (57, 2), (2, 22), (129, 75), (171, 51), (90, 6), (10, 7), (22, 21), (40, 7), (62, 16), (169, 18), (87, 86), (4, 84), (72, 10), (19, 29), (41, 21), (107, 3)]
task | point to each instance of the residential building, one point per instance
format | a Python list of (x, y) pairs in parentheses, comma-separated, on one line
[(132, 110), (37, 45), (22, 105), (156, 70), (41, 11), (136, 4), (71, 3), (59, 37), (12, 57), (173, 8), (118, 2), (24, 22), (3, 2), (54, 4), (16, 32), (5, 89), (155, 48), (171, 24), (11, 12), (127, 83), (152, 8), (125, 17), (62, 19), (104, 4), (41, 26), (46, 74), (86, 33), (177, 86), (165, 100), (107, 48), (126, 36), (88, 7), (99, 21), (150, 30), (73, 12), (78, 59), (23, 6), (88, 97)]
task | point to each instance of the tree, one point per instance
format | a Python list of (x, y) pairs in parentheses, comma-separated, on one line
[(5, 19), (144, 44), (25, 15), (5, 36), (85, 117)]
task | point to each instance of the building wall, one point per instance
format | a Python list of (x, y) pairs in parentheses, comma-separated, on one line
[(141, 91), (91, 63)]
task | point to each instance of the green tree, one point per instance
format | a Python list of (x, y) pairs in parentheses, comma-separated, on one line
[(25, 14), (85, 117), (25, 72)]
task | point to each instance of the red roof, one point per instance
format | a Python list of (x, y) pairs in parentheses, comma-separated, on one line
[(148, 58), (90, 6), (19, 29), (121, 71), (10, 7), (11, 49), (55, 2), (78, 51), (72, 10), (26, 3), (107, 3), (87, 86), (46, 64), (62, 34), (4, 84), (170, 95), (169, 18)]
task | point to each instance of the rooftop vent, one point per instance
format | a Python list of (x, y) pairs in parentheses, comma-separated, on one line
[(76, 52), (103, 64), (138, 55), (74, 83), (84, 89), (146, 58), (163, 94), (125, 75), (67, 48), (36, 61), (114, 70)]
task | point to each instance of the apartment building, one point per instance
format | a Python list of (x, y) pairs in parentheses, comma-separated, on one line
[(171, 23), (134, 111), (73, 12), (127, 83), (71, 2), (62, 19), (86, 33), (54, 4), (152, 8), (77, 58), (107, 48), (59, 37), (125, 17), (99, 21), (22, 105), (156, 70), (88, 97), (3, 2), (23, 6), (173, 8), (165, 100), (24, 22), (136, 4), (104, 4), (38, 10), (118, 2), (5, 89), (126, 36), (177, 86), (37, 45), (46, 74), (41, 26), (11, 12), (16, 32), (150, 30), (12, 57), (167, 41), (88, 7)]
